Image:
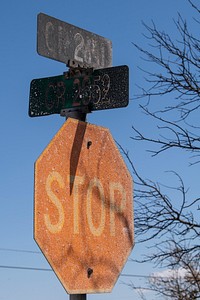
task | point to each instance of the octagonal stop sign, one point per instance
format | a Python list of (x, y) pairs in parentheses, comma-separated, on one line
[(83, 219)]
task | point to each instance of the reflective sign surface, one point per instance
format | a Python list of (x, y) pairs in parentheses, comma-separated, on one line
[(83, 211), (62, 41), (103, 89)]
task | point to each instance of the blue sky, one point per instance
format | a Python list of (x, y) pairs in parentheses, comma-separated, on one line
[(23, 138)]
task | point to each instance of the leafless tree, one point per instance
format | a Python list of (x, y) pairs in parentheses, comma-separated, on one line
[(172, 227), (179, 65), (182, 283)]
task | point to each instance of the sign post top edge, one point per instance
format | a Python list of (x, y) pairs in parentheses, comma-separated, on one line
[(43, 15)]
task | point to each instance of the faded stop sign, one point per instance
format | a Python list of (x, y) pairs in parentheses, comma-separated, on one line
[(83, 219)]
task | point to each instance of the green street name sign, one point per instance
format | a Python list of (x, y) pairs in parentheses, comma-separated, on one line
[(102, 89)]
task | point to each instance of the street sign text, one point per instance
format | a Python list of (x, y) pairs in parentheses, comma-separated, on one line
[(83, 204), (103, 89), (94, 184), (63, 42)]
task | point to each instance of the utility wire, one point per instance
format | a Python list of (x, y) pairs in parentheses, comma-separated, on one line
[(19, 250), (138, 276), (24, 268), (50, 270)]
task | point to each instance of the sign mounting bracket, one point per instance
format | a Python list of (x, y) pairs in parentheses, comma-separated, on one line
[(76, 113), (77, 70)]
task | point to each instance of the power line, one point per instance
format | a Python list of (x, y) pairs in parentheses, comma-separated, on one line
[(24, 268), (134, 275), (45, 269), (50, 270), (20, 250)]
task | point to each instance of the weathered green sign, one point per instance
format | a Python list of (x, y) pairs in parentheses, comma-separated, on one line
[(102, 89)]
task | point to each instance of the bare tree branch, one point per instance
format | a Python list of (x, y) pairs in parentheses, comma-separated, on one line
[(179, 64), (167, 217)]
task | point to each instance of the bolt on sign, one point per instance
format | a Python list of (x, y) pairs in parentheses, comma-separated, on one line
[(83, 208), (101, 89), (63, 42)]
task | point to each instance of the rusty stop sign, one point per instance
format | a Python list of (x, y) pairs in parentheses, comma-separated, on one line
[(83, 219)]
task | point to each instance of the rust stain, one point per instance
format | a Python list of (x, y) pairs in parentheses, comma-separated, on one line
[(83, 203)]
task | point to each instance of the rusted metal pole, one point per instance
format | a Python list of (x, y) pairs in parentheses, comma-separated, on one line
[(78, 297), (81, 117)]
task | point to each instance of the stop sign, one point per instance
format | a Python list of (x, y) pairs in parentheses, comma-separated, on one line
[(83, 219)]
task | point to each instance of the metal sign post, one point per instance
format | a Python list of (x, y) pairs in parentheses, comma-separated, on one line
[(78, 297), (83, 222), (81, 117), (78, 115)]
